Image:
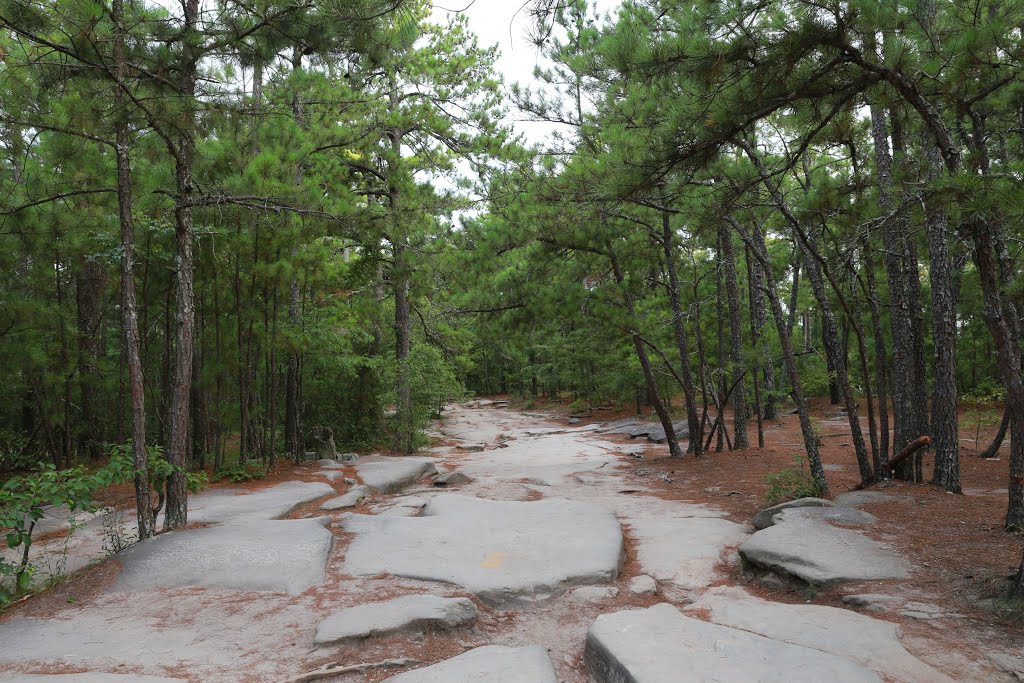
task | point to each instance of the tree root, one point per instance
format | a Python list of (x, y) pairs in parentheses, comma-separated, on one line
[(332, 669)]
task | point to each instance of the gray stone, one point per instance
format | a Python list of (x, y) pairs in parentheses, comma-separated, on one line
[(329, 464), (454, 478), (684, 547), (832, 515), (285, 556), (872, 643), (635, 429), (855, 499), (403, 506), (387, 474), (593, 593), (657, 435), (822, 554), (500, 550), (873, 602), (643, 585), (662, 645), (350, 498), (619, 424), (332, 475), (472, 447), (410, 612), (232, 504), (489, 664), (763, 519), (345, 457)]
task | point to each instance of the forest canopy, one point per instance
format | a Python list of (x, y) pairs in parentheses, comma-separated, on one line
[(232, 231)]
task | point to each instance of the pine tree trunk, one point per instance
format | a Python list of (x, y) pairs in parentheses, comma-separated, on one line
[(893, 237), (91, 282), (739, 396), (755, 241), (689, 391), (830, 332), (645, 362), (881, 365), (176, 506)]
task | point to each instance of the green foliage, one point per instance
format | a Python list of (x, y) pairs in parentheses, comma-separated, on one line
[(240, 473), (790, 483), (433, 382), (24, 500)]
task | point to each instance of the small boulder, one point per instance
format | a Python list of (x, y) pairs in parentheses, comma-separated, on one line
[(763, 519), (454, 478), (351, 499), (643, 585), (410, 612)]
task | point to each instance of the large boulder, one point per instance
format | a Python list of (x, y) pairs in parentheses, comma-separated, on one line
[(821, 554), (489, 664), (384, 474), (763, 519), (499, 550), (662, 645), (409, 612)]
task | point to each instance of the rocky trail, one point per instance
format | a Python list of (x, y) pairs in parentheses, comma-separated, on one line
[(522, 549)]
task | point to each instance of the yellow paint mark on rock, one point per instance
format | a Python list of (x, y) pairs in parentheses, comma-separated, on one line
[(494, 560)]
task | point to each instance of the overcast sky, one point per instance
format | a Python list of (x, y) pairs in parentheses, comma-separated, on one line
[(506, 23)]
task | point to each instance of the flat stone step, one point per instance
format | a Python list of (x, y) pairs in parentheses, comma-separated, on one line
[(488, 664), (500, 550), (407, 613), (284, 556), (662, 645)]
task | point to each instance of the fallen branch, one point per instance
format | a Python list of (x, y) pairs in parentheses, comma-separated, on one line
[(908, 450), (332, 669)]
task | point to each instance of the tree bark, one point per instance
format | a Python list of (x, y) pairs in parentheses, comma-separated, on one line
[(755, 241), (645, 362), (689, 391), (830, 332), (176, 510), (739, 396)]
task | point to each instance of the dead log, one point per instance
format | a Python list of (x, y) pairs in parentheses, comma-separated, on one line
[(908, 450)]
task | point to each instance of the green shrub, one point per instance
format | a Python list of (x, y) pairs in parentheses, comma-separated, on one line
[(790, 483), (241, 472), (24, 499)]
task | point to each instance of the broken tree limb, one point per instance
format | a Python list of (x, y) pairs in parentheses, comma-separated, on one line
[(332, 669), (908, 450)]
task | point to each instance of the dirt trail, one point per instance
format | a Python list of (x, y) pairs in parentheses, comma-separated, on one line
[(216, 634)]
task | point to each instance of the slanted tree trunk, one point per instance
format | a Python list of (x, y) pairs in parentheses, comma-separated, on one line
[(754, 299), (645, 362), (829, 329), (689, 391), (755, 241)]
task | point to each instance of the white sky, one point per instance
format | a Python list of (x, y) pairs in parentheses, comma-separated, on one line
[(506, 23)]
